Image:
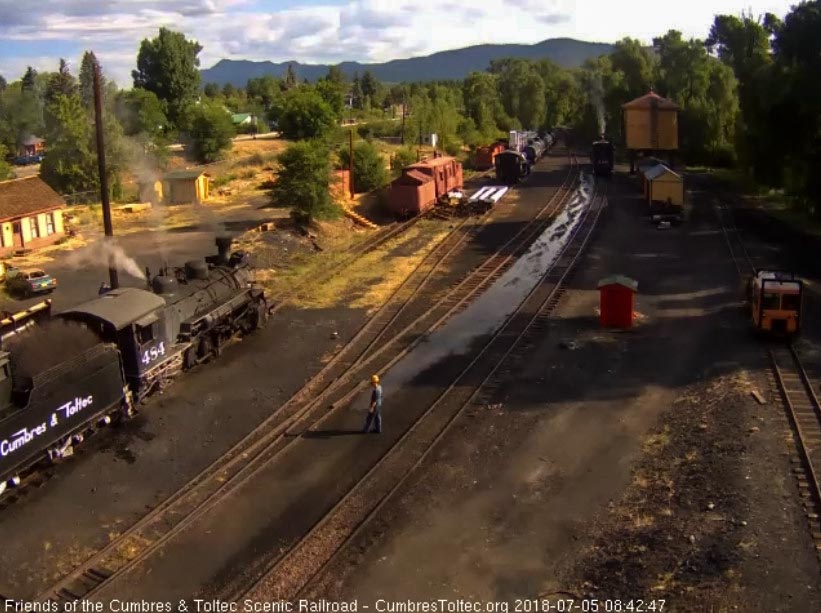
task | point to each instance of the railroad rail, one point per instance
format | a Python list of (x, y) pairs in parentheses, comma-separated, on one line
[(394, 324), (804, 412), (291, 573), (794, 386)]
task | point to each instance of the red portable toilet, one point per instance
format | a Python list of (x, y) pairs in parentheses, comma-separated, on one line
[(617, 295)]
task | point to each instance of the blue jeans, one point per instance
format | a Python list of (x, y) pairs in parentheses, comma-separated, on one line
[(376, 418)]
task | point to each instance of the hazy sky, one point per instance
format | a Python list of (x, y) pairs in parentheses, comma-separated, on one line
[(39, 32)]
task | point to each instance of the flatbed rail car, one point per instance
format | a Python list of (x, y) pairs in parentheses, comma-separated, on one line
[(776, 300)]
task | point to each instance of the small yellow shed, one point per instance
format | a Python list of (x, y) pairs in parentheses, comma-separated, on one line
[(651, 123), (663, 186), (182, 186)]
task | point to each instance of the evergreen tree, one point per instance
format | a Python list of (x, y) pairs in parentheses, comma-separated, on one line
[(62, 83), (87, 68), (290, 77), (29, 82)]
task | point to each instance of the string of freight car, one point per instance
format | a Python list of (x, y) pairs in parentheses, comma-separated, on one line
[(205, 490), (291, 573), (180, 506), (792, 383)]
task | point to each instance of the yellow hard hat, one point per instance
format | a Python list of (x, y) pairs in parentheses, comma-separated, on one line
[(375, 379)]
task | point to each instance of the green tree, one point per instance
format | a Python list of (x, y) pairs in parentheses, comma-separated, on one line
[(87, 79), (356, 92), (168, 66), (211, 131), (797, 48), (62, 83), (333, 93), (21, 115), (3, 84), (29, 80), (5, 169), (522, 91), (70, 165), (403, 157), (290, 78), (304, 180), (370, 89), (306, 115), (267, 91), (335, 76), (140, 112), (211, 90), (481, 101), (368, 167)]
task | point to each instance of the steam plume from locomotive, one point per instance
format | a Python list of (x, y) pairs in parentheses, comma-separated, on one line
[(104, 251)]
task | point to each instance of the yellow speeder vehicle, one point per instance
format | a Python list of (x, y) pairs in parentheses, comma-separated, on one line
[(776, 298)]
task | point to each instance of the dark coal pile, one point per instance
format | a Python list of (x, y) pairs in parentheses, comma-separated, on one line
[(45, 346)]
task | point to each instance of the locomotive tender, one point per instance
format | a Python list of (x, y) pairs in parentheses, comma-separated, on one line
[(135, 341)]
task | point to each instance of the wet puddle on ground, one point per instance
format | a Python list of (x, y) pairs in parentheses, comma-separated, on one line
[(492, 308)]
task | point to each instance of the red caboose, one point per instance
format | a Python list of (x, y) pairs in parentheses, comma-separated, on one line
[(423, 183)]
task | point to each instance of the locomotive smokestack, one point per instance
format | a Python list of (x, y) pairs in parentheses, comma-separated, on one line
[(223, 248)]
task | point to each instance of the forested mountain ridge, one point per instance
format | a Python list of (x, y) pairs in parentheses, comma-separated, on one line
[(453, 64)]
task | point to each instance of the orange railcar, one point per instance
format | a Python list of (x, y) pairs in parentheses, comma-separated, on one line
[(485, 157)]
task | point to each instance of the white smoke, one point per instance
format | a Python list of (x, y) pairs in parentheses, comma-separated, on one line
[(106, 251), (597, 98)]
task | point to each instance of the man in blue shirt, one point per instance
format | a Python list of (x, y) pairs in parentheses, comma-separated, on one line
[(375, 410)]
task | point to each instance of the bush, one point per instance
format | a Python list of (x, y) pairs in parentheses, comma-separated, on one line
[(306, 115), (453, 147), (223, 180), (404, 157), (304, 182), (211, 132), (368, 167)]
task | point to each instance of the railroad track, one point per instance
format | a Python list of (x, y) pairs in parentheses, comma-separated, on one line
[(340, 379), (377, 239), (804, 412), (794, 386), (289, 576)]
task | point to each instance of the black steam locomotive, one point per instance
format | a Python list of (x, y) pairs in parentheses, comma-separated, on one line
[(88, 366), (602, 157)]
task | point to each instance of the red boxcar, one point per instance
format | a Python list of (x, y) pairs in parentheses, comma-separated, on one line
[(485, 157), (423, 183)]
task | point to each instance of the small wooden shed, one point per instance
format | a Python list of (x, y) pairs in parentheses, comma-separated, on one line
[(651, 123), (183, 186), (662, 185), (617, 301)]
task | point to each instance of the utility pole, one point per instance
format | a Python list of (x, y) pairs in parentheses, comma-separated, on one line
[(109, 230), (350, 161), (403, 122)]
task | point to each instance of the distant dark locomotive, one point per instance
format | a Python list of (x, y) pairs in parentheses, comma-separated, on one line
[(88, 366), (524, 150), (602, 157)]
